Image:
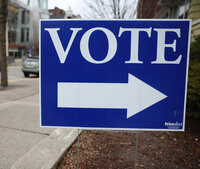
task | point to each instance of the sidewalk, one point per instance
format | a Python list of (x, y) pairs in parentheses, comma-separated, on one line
[(23, 143)]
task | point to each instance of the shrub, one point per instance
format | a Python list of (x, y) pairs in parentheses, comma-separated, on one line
[(193, 95)]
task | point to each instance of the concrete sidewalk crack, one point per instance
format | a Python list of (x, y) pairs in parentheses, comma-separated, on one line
[(18, 100), (25, 97), (29, 131)]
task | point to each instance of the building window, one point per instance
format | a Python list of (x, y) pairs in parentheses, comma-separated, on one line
[(44, 5), (27, 34), (11, 36), (27, 17), (23, 17), (22, 34), (39, 3)]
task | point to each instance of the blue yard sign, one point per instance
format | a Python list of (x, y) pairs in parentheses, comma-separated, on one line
[(114, 74)]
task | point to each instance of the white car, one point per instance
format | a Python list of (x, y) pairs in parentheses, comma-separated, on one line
[(31, 66)]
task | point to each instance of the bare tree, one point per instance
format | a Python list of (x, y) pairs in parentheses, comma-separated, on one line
[(3, 58), (110, 9)]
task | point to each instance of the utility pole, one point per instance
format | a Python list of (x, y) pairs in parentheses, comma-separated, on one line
[(3, 57)]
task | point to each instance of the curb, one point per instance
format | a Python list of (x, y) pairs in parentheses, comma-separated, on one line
[(48, 152)]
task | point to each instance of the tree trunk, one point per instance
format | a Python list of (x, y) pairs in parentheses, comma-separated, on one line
[(3, 57)]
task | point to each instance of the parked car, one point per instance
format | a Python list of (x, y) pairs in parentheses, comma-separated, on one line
[(30, 66)]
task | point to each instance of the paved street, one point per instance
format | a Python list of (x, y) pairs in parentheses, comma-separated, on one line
[(19, 117)]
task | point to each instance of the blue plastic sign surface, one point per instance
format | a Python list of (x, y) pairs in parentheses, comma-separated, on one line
[(114, 74)]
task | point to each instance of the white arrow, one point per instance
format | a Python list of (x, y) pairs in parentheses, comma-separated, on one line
[(134, 96)]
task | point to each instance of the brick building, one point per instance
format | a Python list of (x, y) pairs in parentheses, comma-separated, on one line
[(56, 13), (147, 8)]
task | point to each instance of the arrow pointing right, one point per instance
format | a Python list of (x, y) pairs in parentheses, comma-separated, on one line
[(134, 96), (142, 96)]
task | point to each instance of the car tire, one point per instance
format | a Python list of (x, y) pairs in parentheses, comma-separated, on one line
[(26, 74)]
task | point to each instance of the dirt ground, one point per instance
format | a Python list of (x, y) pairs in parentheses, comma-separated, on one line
[(116, 150)]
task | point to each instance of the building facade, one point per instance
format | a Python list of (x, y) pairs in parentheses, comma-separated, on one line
[(170, 9), (23, 27), (194, 14)]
